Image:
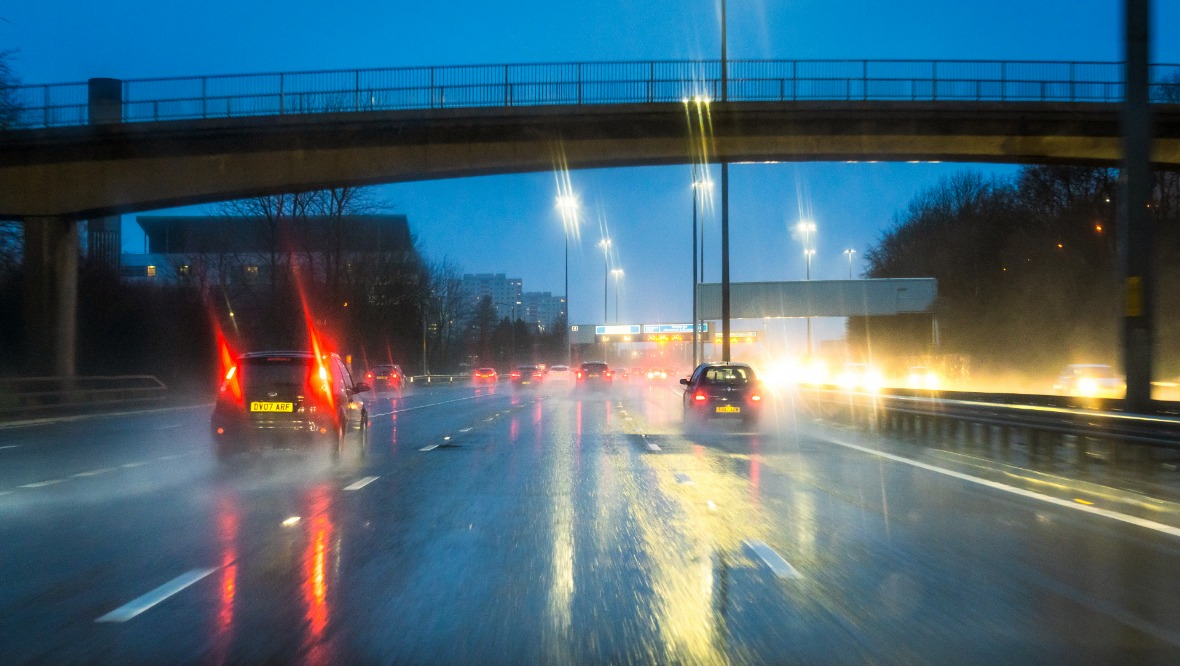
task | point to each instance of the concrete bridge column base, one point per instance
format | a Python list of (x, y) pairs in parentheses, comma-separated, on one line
[(51, 294)]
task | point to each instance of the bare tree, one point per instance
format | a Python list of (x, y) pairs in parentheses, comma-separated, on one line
[(10, 106)]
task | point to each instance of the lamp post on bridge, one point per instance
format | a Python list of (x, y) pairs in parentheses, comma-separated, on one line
[(848, 253)]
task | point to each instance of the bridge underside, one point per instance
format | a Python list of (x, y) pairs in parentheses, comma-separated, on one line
[(90, 171)]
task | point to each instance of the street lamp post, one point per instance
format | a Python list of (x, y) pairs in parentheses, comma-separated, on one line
[(807, 229), (848, 253), (568, 205), (605, 245), (618, 273)]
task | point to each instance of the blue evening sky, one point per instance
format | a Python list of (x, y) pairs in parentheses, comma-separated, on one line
[(508, 223)]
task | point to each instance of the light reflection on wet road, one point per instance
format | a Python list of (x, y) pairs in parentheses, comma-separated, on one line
[(494, 526)]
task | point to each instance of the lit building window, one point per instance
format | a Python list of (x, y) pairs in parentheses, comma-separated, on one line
[(183, 270), (151, 271), (252, 271)]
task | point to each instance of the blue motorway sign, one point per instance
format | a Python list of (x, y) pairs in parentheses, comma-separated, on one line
[(673, 328)]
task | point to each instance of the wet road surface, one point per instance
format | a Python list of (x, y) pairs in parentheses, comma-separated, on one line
[(487, 525)]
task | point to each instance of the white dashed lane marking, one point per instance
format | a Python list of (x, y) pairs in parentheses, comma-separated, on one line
[(357, 485), (773, 560), (145, 602)]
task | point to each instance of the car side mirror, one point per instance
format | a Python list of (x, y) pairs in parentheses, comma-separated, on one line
[(361, 387), (684, 381)]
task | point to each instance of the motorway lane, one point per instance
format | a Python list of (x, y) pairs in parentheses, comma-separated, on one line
[(574, 529)]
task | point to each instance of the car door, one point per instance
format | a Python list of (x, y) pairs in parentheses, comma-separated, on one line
[(352, 404)]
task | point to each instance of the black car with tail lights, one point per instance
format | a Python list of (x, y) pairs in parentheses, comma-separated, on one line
[(722, 390), (286, 399)]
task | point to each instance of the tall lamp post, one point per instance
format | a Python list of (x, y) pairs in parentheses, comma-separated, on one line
[(605, 245), (848, 253), (806, 229), (568, 205), (618, 273)]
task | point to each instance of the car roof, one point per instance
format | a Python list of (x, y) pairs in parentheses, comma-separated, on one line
[(277, 354)]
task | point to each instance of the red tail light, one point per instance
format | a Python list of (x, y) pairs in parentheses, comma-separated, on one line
[(516, 375), (579, 374), (536, 375), (755, 398), (369, 375), (699, 396), (393, 376), (609, 373), (232, 385), (321, 382)]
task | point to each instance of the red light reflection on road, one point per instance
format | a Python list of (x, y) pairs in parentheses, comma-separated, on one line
[(513, 429), (228, 519), (315, 575)]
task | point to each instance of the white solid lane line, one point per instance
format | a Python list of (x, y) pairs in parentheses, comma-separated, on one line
[(134, 464), (433, 404), (357, 485), (465, 430), (137, 606), (9, 446), (170, 427), (429, 448), (773, 560), (1115, 515)]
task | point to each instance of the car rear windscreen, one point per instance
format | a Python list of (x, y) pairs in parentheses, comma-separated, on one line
[(594, 367), (733, 376), (276, 371)]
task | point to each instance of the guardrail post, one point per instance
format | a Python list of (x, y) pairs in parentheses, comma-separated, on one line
[(204, 97), (357, 94), (282, 91), (507, 88), (651, 82), (579, 84), (934, 80), (864, 80)]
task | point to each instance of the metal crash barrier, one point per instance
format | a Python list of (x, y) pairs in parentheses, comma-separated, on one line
[(42, 396), (1048, 426)]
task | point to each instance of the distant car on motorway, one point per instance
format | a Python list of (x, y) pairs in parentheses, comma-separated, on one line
[(594, 374), (722, 390), (558, 374), (285, 399), (657, 374), (526, 375), (485, 376), (1090, 380), (386, 378)]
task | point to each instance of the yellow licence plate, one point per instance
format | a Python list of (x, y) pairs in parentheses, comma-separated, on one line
[(272, 407), (729, 409)]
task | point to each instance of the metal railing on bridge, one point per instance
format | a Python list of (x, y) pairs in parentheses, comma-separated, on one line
[(476, 86)]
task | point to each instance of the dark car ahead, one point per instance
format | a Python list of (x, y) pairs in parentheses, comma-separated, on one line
[(387, 378), (287, 398), (722, 390), (526, 375), (594, 374)]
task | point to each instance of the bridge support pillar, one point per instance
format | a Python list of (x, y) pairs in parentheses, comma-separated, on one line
[(1135, 227), (51, 294)]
